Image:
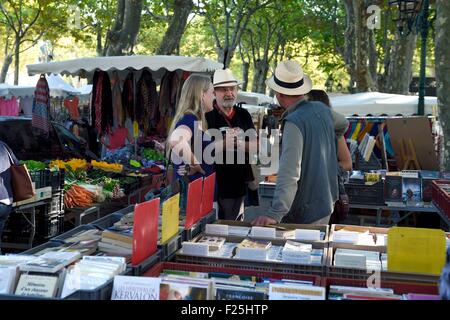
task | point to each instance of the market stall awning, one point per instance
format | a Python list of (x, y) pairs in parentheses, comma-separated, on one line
[(254, 98), (85, 67), (8, 91), (377, 104), (57, 85)]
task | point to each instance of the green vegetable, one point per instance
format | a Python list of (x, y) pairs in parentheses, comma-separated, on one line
[(33, 165)]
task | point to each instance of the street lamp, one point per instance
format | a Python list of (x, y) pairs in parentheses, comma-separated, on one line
[(412, 16)]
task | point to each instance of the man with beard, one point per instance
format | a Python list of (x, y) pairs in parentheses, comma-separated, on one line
[(232, 121)]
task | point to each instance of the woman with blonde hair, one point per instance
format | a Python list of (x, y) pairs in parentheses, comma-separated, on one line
[(189, 124)]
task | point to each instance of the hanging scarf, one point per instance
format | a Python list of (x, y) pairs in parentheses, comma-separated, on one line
[(119, 116), (102, 113), (147, 101), (98, 104), (41, 107), (128, 96)]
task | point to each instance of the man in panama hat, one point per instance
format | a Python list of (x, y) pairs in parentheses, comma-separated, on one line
[(231, 120), (307, 185)]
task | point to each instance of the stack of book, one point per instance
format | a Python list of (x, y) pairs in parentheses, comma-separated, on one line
[(296, 252), (365, 238), (117, 242), (357, 259), (9, 271), (253, 249), (92, 272), (359, 293)]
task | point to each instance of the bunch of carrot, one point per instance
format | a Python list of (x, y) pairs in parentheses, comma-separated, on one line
[(78, 196)]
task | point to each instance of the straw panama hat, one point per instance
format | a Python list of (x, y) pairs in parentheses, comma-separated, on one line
[(224, 78), (289, 79)]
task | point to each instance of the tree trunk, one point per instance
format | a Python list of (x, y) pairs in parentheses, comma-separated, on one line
[(5, 67), (399, 73), (373, 60), (362, 76), (349, 50), (99, 41), (16, 60), (128, 23), (258, 69), (172, 38), (442, 41), (245, 70), (229, 52)]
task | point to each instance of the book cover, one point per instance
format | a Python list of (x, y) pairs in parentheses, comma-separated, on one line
[(37, 286), (135, 288), (7, 279), (182, 291), (254, 244), (236, 294), (295, 292), (122, 236), (411, 190), (214, 243), (427, 182), (393, 188), (43, 265)]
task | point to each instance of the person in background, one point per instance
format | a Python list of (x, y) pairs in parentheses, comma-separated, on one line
[(307, 185), (342, 206), (231, 120), (195, 100), (6, 196), (344, 157)]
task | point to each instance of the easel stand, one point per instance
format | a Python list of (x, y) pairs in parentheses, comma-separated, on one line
[(409, 156)]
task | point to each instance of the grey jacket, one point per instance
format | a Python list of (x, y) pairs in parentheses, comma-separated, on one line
[(307, 185)]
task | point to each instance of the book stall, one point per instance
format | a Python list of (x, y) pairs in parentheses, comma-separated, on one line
[(137, 254)]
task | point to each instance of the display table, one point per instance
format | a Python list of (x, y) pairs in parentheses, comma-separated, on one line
[(431, 208)]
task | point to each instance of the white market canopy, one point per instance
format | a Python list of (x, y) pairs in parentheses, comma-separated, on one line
[(85, 67), (254, 98), (58, 88), (377, 104), (57, 85), (8, 91)]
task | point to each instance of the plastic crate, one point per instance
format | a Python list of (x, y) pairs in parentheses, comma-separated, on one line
[(363, 274), (209, 218), (365, 194), (160, 267), (107, 221), (195, 230), (46, 245), (271, 266), (169, 249), (440, 196), (144, 266), (366, 166), (57, 202), (266, 189), (66, 235), (398, 287), (57, 180), (259, 266), (41, 178)]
